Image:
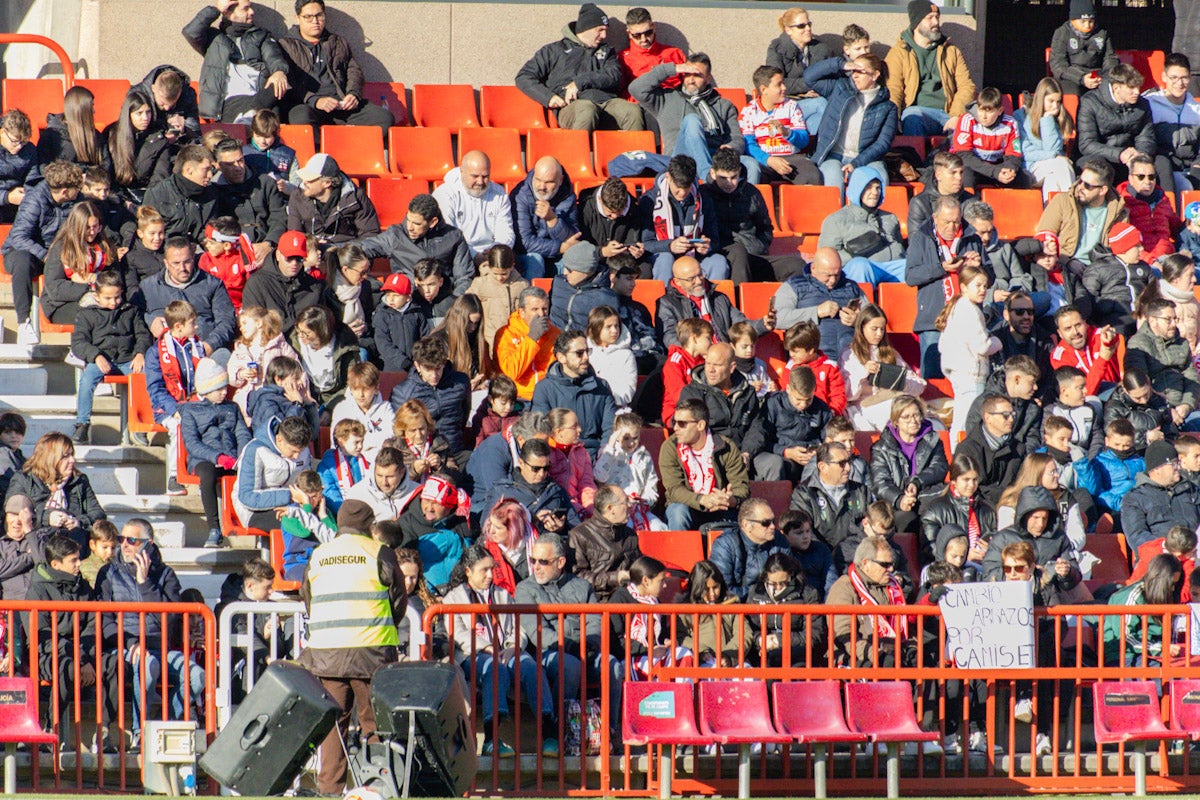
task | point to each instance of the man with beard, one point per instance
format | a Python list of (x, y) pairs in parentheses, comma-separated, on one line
[(257, 203), (187, 201), (544, 213), (424, 234), (471, 202), (1021, 337), (1090, 349), (381, 489), (550, 509), (928, 77), (329, 206)]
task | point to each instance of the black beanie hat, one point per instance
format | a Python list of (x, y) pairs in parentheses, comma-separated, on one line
[(1083, 8), (917, 11), (1159, 453), (590, 16)]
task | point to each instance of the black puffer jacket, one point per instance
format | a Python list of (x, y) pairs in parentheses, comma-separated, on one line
[(729, 415), (80, 498), (949, 509), (187, 207), (1073, 55), (890, 470), (595, 71), (782, 52), (794, 636), (1107, 127), (599, 229), (186, 106), (1048, 547), (589, 396), (675, 305), (1155, 414), (353, 217), (832, 522), (742, 217), (780, 426), (1027, 422), (54, 144), (1149, 510), (600, 551), (119, 334), (258, 205), (256, 47), (1112, 288), (269, 288), (998, 466)]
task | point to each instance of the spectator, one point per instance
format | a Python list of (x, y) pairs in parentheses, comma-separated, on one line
[(1017, 380), (329, 206), (176, 109), (867, 238), (1179, 542), (733, 405), (1115, 123), (611, 356), (927, 76), (695, 335), (252, 197), (1082, 217), (1079, 54), (267, 154), (856, 90), (498, 287), (508, 536), (813, 555), (776, 134), (22, 548), (872, 581), (825, 296), (794, 51), (434, 521), (214, 435), (145, 255), (648, 349), (12, 459), (544, 211), (741, 555), (572, 383), (343, 464), (1176, 115), (880, 520), (549, 506), (1042, 470), (996, 455), (399, 323), (244, 67), (947, 180), (703, 474), (694, 119), (171, 364), (102, 546), (284, 393), (1109, 476), (1149, 209), (19, 167), (329, 81), (988, 140), (581, 286), (424, 234), (180, 280), (570, 463), (364, 404), (266, 469), (609, 218), (445, 391), (962, 507), (965, 342), (1093, 350), (675, 224), (744, 339), (834, 502), (1019, 336), (187, 200), (1135, 401), (424, 451), (645, 52), (327, 349), (282, 284), (1176, 283), (704, 633), (1044, 124), (1145, 643), (691, 294), (493, 461), (475, 205), (470, 353), (34, 227), (605, 546), (909, 461), (1036, 522), (787, 432), (1158, 350), (352, 294), (72, 136), (579, 77), (803, 345), (141, 154), (1114, 280), (937, 252), (497, 414), (228, 255), (625, 462), (1160, 499), (380, 489)]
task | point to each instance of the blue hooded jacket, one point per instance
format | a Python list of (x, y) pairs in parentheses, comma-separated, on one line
[(533, 234)]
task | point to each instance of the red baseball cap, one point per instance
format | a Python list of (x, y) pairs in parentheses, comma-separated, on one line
[(293, 244), (398, 282)]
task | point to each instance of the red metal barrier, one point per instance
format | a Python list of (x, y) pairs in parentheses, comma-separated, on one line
[(45, 41), (1071, 652)]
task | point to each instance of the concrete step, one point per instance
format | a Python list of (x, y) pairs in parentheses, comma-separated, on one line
[(150, 504), (202, 560), (46, 404), (105, 428), (28, 380), (109, 479)]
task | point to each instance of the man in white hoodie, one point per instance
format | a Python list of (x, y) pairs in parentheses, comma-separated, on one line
[(471, 202), (381, 489)]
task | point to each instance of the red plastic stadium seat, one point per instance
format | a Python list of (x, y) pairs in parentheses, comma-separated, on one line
[(884, 711), (755, 298), (357, 148), (181, 470), (422, 153), (275, 549), (6, 278), (1185, 706), (391, 96), (802, 209), (607, 145), (917, 143), (37, 97), (503, 148), (811, 713), (389, 381), (1147, 62), (300, 139), (444, 105), (645, 292), (391, 197), (19, 720), (676, 549), (141, 413), (1017, 210), (573, 150), (735, 95), (737, 712), (777, 494), (509, 107), (1114, 563), (895, 201), (110, 94), (1128, 711), (899, 302), (662, 714)]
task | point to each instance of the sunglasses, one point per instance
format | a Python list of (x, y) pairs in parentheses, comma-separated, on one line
[(1149, 177), (642, 34), (888, 565), (1021, 312), (1005, 414), (840, 463), (132, 540), (543, 562), (1092, 186), (1010, 568), (766, 523), (800, 25), (536, 468)]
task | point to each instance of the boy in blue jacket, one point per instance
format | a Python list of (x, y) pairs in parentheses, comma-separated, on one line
[(305, 524), (344, 464), (1111, 474), (171, 377)]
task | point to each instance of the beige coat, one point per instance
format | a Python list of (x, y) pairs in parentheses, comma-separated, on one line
[(904, 77), (1062, 216), (498, 301)]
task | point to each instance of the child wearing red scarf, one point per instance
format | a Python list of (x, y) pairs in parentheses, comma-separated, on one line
[(646, 639), (343, 465), (570, 465)]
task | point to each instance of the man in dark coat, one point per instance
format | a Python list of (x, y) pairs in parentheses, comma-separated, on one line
[(1161, 499), (993, 449), (690, 294), (544, 210), (176, 107), (445, 391), (741, 554), (282, 283), (571, 383), (216, 321), (424, 234), (329, 206), (1115, 123), (732, 403), (255, 200), (187, 201), (835, 503), (582, 285)]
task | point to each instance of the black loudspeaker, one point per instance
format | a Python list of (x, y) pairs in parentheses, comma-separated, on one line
[(273, 732), (429, 698)]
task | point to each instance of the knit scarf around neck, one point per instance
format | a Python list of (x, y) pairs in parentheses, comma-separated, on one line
[(663, 212)]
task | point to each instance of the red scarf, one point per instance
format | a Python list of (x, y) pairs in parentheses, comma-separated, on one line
[(503, 575), (178, 360), (948, 251), (703, 308), (973, 532), (97, 260), (695, 470), (884, 626), (342, 466), (420, 450), (643, 627)]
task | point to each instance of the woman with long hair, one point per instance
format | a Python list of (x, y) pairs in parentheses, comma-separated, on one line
[(698, 631), (962, 506), (965, 343), (1161, 587), (1044, 125), (420, 597), (1040, 469), (141, 155), (470, 352), (867, 405), (327, 348), (645, 637), (71, 136), (612, 353), (508, 534), (61, 495), (80, 251)]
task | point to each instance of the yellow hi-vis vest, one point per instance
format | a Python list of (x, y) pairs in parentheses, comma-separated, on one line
[(349, 606)]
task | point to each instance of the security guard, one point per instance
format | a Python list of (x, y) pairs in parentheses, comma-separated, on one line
[(355, 595)]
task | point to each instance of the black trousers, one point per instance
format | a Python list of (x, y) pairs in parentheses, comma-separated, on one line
[(210, 482), (25, 269), (365, 114)]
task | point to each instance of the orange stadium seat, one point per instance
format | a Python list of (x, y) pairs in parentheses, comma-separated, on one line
[(447, 105), (422, 153), (391, 96), (1017, 210), (300, 139), (1148, 62), (607, 145), (503, 147), (110, 95), (357, 148), (391, 197), (647, 293), (768, 195), (895, 200), (802, 209), (230, 129), (899, 302), (37, 97), (726, 288), (676, 549), (755, 298), (573, 150), (735, 95), (509, 107)]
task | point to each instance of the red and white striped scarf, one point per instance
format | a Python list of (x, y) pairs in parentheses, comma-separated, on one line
[(973, 531), (884, 626), (342, 465), (949, 251), (698, 465), (643, 627)]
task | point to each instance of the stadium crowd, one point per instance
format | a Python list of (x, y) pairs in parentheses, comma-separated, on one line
[(508, 461)]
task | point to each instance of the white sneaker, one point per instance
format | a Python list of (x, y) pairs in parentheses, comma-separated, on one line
[(1042, 746), (1024, 711), (27, 333), (104, 390), (73, 360), (953, 746), (977, 742), (929, 748)]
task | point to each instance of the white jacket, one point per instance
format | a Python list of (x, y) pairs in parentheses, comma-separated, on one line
[(615, 364), (377, 420), (965, 344), (484, 221), (632, 472), (385, 507)]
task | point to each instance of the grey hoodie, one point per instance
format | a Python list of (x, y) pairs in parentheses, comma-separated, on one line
[(852, 222)]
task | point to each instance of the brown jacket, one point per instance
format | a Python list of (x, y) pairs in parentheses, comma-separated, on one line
[(904, 77), (498, 301), (728, 465), (601, 551), (1062, 216), (842, 594)]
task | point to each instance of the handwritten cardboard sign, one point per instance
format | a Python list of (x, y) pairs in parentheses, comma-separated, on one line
[(989, 625)]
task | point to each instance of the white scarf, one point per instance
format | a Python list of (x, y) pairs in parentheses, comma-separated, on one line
[(319, 364), (663, 213), (350, 297), (698, 465)]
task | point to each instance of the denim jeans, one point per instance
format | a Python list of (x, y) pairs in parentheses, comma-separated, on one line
[(832, 175), (864, 270), (922, 121), (813, 109), (565, 670), (931, 357), (88, 381), (681, 517), (714, 266), (495, 697), (532, 266), (692, 142), (175, 667)]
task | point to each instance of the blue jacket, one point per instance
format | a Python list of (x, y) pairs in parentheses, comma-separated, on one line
[(117, 583), (779, 425), (1107, 477), (327, 469), (162, 401), (741, 561), (216, 321), (269, 401), (925, 271), (1150, 510), (489, 464), (449, 403), (17, 170), (588, 396), (549, 495), (880, 120), (570, 305), (396, 332), (211, 430), (533, 234), (1033, 148), (38, 220)]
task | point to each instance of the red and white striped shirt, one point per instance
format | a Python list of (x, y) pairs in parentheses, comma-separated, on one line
[(754, 120), (990, 144)]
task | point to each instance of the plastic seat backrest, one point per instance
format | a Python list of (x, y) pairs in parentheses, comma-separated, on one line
[(509, 107), (769, 348), (141, 413), (1017, 210), (676, 549), (755, 298), (19, 714), (607, 145), (358, 149), (503, 149), (895, 201), (884, 711), (812, 711), (659, 713), (647, 293), (906, 541), (777, 494), (652, 439), (421, 153), (300, 139), (737, 710), (899, 302), (181, 470), (802, 209), (37, 97), (768, 195), (389, 381), (391, 197), (109, 94), (281, 584), (573, 149), (917, 143), (1147, 62), (390, 95), (1125, 710), (1185, 705), (735, 95), (449, 105), (1113, 566)]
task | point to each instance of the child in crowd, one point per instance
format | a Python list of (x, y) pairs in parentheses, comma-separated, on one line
[(171, 377), (115, 216), (743, 337), (965, 344), (343, 465), (855, 42), (111, 337), (228, 256), (306, 523), (647, 637), (1110, 475), (626, 462), (398, 324), (284, 393), (102, 542), (1189, 237), (1056, 443), (695, 337), (868, 405), (261, 342), (423, 449), (214, 435), (497, 416), (1043, 151), (880, 520), (498, 288), (12, 434), (1188, 447), (1083, 412), (265, 154), (813, 555), (803, 344), (252, 585), (364, 404), (570, 465), (988, 140), (145, 256), (952, 547)]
